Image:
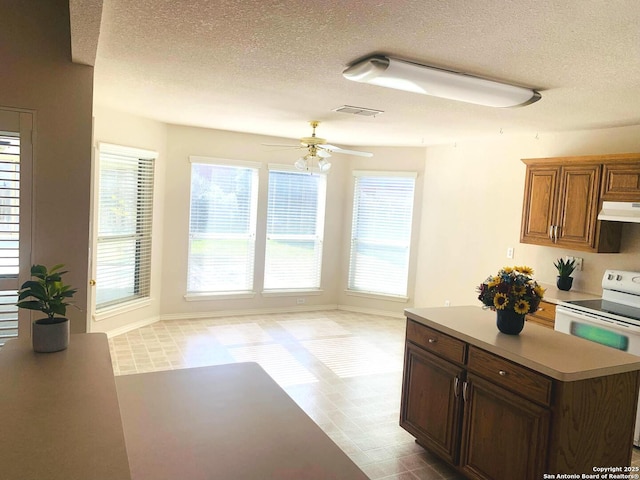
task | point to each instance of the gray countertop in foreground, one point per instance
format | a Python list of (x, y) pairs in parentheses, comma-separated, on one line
[(557, 355)]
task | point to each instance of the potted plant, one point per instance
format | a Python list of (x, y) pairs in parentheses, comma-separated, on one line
[(47, 293), (512, 293), (564, 280)]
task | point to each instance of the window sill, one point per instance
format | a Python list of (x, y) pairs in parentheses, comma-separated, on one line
[(120, 309), (207, 296), (378, 296), (291, 292)]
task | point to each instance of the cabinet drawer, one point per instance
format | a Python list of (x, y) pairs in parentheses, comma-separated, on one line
[(545, 315), (436, 342), (514, 377), (546, 310)]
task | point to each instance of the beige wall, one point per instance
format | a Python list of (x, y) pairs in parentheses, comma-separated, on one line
[(131, 131), (408, 159), (472, 207), (469, 205), (38, 75), (186, 141)]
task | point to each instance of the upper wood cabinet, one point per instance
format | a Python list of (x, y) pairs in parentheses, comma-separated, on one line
[(621, 181), (562, 198)]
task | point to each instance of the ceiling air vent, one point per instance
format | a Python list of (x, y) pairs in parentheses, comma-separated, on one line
[(366, 112)]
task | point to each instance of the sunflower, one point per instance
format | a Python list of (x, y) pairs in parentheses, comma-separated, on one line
[(493, 282), (539, 291), (525, 270), (507, 269), (519, 290), (521, 306), (500, 301)]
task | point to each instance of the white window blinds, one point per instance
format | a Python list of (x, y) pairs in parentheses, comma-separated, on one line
[(222, 228), (381, 232), (9, 231), (125, 213), (295, 227)]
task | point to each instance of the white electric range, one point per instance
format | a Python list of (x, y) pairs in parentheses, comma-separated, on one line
[(613, 320)]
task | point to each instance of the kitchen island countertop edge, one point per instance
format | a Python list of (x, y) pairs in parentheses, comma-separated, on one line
[(557, 355)]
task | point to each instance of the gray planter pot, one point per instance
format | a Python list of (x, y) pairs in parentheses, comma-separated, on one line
[(50, 337)]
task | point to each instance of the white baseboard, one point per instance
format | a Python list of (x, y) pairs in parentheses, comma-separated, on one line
[(255, 311), (132, 326), (371, 311)]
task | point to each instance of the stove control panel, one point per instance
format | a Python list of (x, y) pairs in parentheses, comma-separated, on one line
[(621, 281)]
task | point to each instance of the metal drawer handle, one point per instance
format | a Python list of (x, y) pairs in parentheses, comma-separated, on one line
[(433, 340), (456, 387), (465, 394), (502, 373)]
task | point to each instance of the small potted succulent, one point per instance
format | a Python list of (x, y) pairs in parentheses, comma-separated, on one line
[(48, 294), (564, 280)]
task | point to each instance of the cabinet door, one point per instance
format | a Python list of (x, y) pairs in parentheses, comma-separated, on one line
[(431, 401), (621, 182), (540, 189), (504, 435), (577, 209)]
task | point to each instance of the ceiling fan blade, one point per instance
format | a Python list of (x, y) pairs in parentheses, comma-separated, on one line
[(334, 149)]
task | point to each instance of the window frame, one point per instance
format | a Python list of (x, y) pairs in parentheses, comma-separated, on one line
[(408, 243), (198, 295), (318, 236), (142, 287)]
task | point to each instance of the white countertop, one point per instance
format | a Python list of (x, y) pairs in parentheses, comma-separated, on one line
[(553, 295), (557, 355), (59, 412)]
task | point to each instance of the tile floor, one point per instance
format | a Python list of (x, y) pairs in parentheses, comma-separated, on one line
[(343, 368)]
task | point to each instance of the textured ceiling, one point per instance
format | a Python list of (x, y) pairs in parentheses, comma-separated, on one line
[(268, 67)]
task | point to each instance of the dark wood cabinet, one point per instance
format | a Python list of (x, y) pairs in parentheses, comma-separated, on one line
[(492, 418), (497, 421), (433, 401), (454, 409)]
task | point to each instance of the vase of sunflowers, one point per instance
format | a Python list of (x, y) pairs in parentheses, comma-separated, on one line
[(512, 293)]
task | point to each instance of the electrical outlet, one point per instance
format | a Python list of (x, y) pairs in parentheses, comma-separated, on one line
[(578, 261), (300, 301), (447, 303), (510, 252)]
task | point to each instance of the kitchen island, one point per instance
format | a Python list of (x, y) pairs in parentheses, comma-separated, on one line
[(498, 406), (64, 416)]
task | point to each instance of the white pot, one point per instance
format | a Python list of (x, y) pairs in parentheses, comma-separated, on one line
[(50, 337)]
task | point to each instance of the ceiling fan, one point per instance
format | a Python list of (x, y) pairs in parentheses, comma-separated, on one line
[(318, 150)]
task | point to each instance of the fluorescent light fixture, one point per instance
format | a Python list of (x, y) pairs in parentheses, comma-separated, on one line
[(413, 77)]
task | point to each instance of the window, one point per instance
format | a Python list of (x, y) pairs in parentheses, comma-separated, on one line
[(9, 233), (381, 232), (125, 211), (222, 226), (295, 222)]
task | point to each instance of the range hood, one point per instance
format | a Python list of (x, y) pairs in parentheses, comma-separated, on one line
[(620, 212)]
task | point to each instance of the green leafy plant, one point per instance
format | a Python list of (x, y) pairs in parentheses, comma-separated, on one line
[(46, 293), (565, 268)]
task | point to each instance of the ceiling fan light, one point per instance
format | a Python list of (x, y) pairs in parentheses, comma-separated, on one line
[(324, 165), (301, 164), (412, 77)]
